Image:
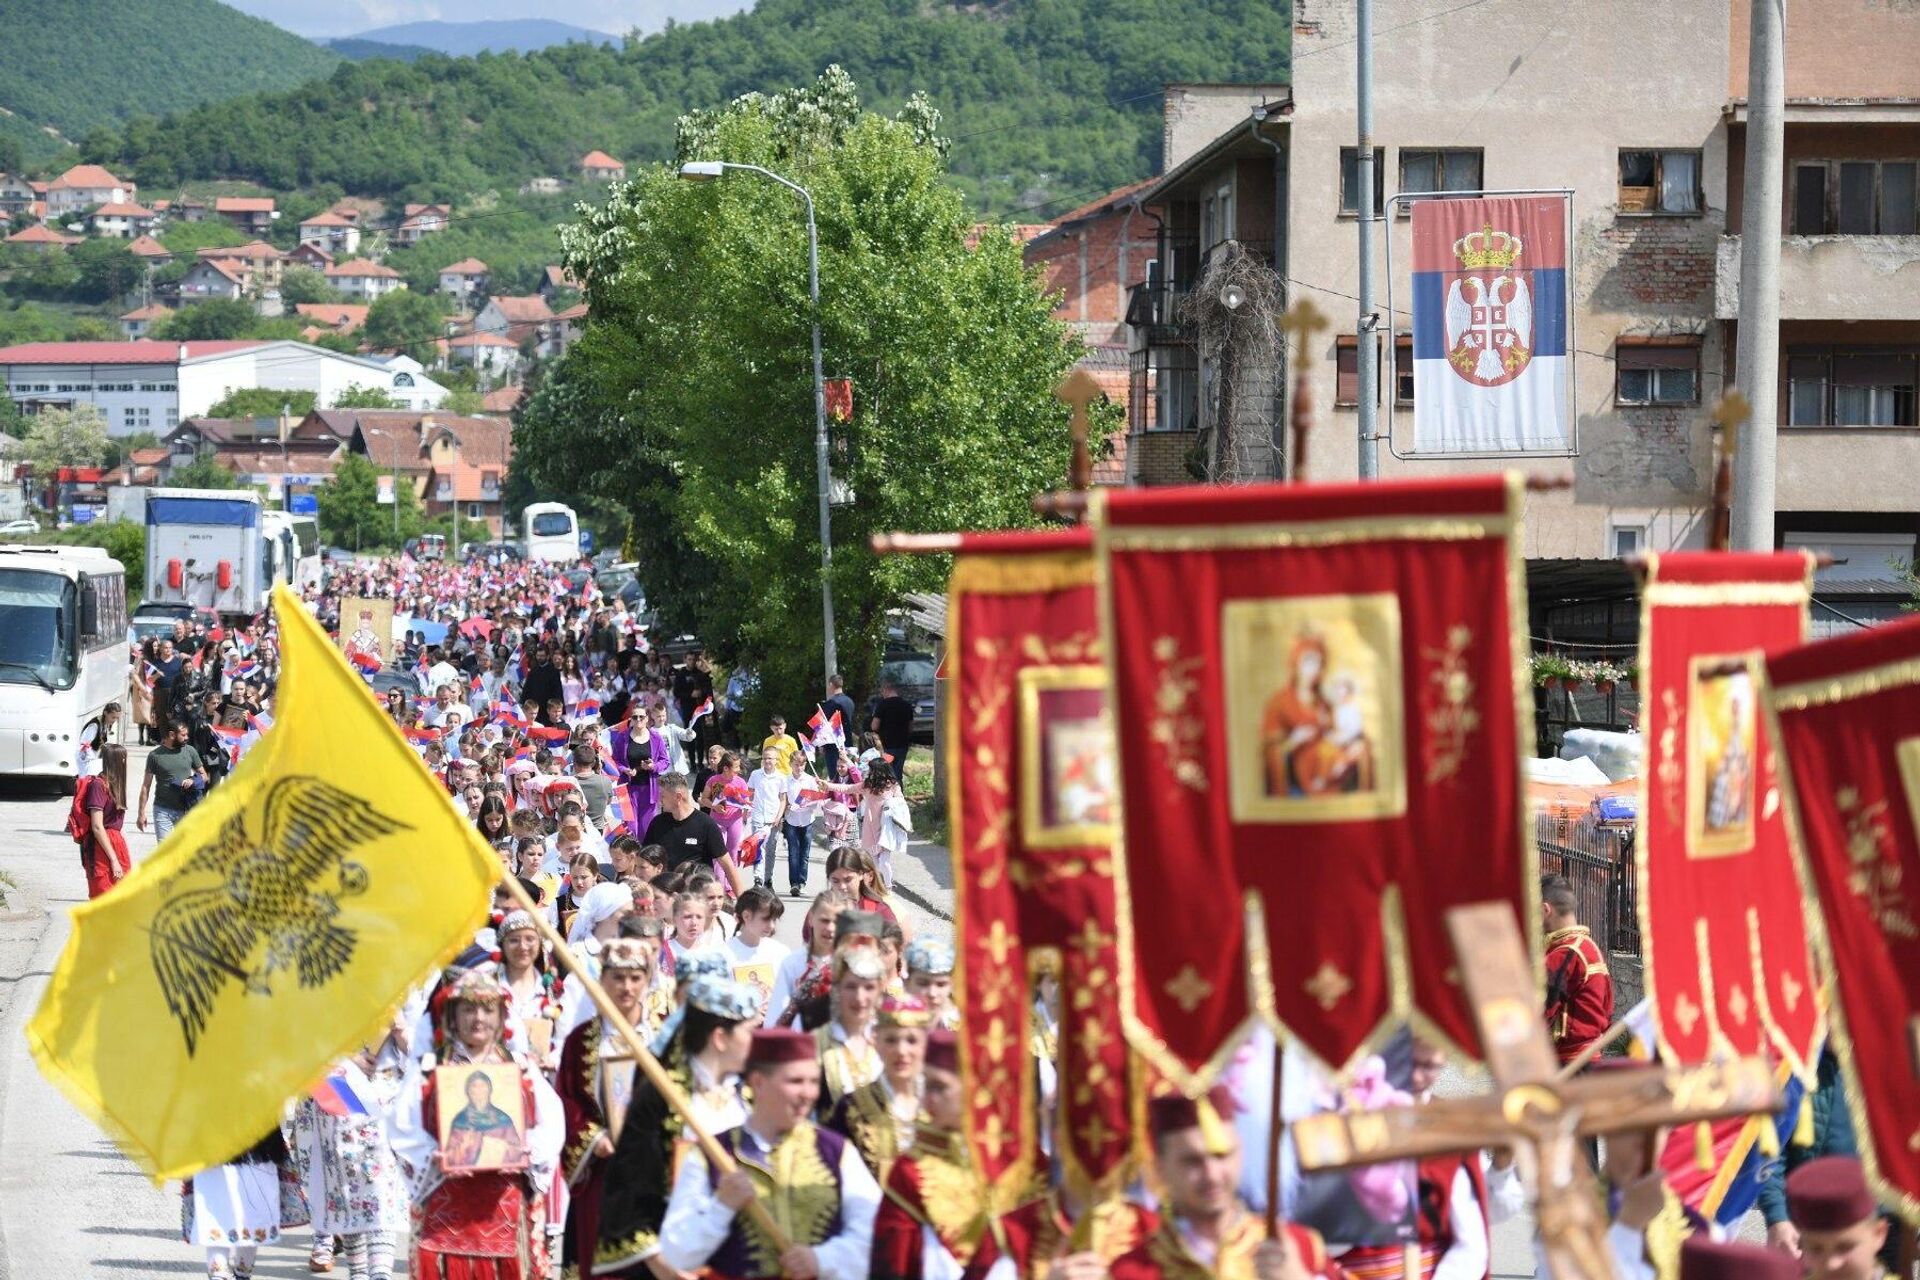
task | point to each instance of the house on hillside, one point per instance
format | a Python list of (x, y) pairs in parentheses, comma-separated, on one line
[(329, 231), (136, 323), (566, 327), (542, 187), (308, 254), (214, 278), (150, 251), (17, 195), (84, 186), (42, 238), (450, 460), (487, 353), (363, 279), (420, 220), (261, 262), (122, 221), (464, 281), (252, 214), (598, 166), (555, 280), (189, 209), (517, 318), (332, 317)]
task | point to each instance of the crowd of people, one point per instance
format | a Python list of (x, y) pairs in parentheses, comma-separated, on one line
[(503, 1129)]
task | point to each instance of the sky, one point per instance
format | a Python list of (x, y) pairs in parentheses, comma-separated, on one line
[(346, 17)]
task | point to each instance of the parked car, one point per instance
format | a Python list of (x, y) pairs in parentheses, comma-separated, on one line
[(15, 527), (394, 678)]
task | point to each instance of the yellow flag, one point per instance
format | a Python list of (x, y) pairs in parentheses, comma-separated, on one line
[(274, 931)]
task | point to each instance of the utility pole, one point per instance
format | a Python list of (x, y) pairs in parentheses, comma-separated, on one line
[(1367, 352), (1757, 358)]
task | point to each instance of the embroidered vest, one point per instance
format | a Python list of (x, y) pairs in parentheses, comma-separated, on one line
[(798, 1181)]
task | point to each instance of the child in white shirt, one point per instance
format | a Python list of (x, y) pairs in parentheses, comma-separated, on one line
[(756, 953)]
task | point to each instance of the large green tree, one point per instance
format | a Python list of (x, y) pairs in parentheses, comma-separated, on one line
[(261, 402), (74, 437), (690, 397), (404, 319), (213, 319), (352, 515)]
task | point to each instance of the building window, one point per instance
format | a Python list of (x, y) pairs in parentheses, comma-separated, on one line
[(1346, 371), (1656, 373), (1839, 387), (1350, 180), (1456, 169), (1660, 182), (402, 379), (1855, 198), (1628, 539), (1216, 216), (1856, 556)]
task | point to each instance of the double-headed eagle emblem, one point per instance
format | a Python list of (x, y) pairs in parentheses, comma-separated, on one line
[(245, 909)]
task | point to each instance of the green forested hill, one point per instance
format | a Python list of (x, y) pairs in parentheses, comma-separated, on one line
[(1045, 100), (78, 65)]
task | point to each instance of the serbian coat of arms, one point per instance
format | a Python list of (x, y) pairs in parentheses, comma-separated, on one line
[(1489, 312)]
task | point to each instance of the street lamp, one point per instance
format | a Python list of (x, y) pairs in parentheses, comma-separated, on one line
[(709, 171)]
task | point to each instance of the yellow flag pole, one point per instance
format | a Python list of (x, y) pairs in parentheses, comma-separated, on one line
[(649, 1065)]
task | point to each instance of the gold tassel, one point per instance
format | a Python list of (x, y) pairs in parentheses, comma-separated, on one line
[(1803, 1123), (1703, 1146), (1769, 1137)]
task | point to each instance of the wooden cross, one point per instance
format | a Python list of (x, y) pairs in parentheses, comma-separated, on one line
[(1077, 391), (1532, 1110), (1729, 414), (1301, 322)]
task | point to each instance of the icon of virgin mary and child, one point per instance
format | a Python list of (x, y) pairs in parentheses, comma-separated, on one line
[(1313, 732)]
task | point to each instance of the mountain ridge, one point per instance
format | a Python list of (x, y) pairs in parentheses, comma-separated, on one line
[(465, 39)]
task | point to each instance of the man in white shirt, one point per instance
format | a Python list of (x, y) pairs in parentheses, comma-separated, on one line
[(435, 716), (706, 1225), (439, 672)]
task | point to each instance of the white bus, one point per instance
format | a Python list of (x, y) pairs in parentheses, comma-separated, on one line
[(552, 532), (63, 652)]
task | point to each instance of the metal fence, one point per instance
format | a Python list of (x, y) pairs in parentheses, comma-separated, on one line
[(1599, 861)]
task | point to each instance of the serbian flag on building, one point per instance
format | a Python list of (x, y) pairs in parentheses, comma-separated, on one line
[(1324, 695), (1847, 717), (1717, 890), (1032, 821), (1490, 358)]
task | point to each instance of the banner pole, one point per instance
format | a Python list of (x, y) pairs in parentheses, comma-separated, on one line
[(649, 1065)]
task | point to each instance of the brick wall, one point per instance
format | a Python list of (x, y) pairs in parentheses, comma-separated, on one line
[(1160, 457), (1091, 266), (1640, 263)]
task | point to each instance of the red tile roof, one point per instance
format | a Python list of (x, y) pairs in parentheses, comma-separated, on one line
[(558, 278), (343, 317), (243, 204), (121, 209), (152, 311), (232, 271), (41, 234), (599, 160), (142, 351), (148, 247), (1112, 197), (481, 340), (147, 457), (87, 176), (501, 400), (578, 311), (327, 219), (465, 267), (522, 308), (252, 251), (363, 267), (413, 209)]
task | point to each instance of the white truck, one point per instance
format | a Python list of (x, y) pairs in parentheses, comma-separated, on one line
[(207, 548)]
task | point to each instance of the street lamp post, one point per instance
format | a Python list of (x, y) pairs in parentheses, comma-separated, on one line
[(707, 171)]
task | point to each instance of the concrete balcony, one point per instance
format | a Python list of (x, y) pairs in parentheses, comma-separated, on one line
[(1832, 278), (1848, 469)]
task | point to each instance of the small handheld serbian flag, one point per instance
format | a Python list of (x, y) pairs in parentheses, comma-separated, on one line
[(272, 934), (749, 854), (827, 730), (1490, 361), (704, 709)]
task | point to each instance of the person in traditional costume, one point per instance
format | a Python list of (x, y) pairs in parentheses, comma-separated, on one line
[(879, 1117), (848, 1056), (1579, 988), (534, 990), (934, 1221), (930, 978), (1841, 1229), (234, 1208), (1703, 1259), (622, 1138), (480, 1224), (1204, 1229), (354, 1188), (810, 1178), (1451, 1210)]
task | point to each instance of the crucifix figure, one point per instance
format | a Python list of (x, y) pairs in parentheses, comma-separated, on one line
[(1301, 322), (1532, 1109), (1729, 415)]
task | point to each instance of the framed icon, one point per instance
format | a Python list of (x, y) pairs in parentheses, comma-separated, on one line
[(482, 1112), (1068, 771), (1315, 708), (1723, 758)]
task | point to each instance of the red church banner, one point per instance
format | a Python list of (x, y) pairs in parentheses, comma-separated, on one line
[(1321, 699), (1716, 889), (1847, 717), (1030, 750)]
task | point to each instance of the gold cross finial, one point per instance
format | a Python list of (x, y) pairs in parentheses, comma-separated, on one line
[(1303, 320), (1730, 413), (1078, 390)]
